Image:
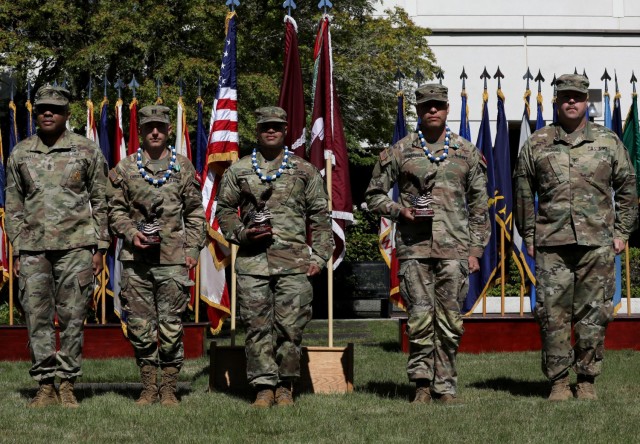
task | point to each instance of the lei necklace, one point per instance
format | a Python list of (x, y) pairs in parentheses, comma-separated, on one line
[(427, 152), (165, 177), (267, 177)]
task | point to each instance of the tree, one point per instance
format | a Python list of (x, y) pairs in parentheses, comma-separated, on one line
[(171, 39)]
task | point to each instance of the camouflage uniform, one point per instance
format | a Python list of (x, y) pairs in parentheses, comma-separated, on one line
[(574, 176), (56, 215), (274, 292), (434, 255), (155, 282)]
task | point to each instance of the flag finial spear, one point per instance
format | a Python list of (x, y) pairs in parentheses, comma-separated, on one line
[(158, 87), (324, 4), (105, 83), (232, 4), (498, 75), (463, 76), (399, 76), (418, 77), (584, 73), (181, 86), (528, 76), (119, 85), (133, 84), (575, 70), (485, 75), (633, 81), (539, 79), (606, 77), (615, 75), (289, 4), (440, 75)]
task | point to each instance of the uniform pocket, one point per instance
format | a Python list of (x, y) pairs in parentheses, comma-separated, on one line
[(28, 179), (85, 278), (73, 176), (601, 177)]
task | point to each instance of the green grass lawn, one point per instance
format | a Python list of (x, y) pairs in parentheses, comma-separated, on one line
[(503, 393)]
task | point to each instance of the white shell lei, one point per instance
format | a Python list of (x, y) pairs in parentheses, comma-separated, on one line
[(427, 152), (267, 177), (166, 175)]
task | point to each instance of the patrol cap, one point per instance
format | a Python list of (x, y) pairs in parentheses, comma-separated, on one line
[(572, 82), (270, 114), (432, 91), (154, 113), (52, 95)]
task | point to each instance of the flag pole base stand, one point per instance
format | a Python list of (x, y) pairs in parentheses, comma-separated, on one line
[(322, 370)]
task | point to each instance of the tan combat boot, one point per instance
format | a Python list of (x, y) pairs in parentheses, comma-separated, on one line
[(560, 391), (149, 377), (423, 393), (284, 394), (169, 386), (448, 398), (46, 395), (586, 389), (264, 397), (67, 397)]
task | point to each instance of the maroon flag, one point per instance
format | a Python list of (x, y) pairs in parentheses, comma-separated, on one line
[(134, 139), (291, 92), (327, 138)]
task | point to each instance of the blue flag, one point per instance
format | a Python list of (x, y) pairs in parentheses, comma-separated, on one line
[(14, 138), (105, 145), (617, 295), (201, 139), (503, 187), (616, 118), (465, 129), (480, 281)]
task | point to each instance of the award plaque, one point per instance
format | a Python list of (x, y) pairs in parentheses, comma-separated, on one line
[(150, 227), (259, 218), (422, 203)]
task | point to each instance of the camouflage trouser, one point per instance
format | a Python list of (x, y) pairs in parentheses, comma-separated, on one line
[(275, 311), (155, 297), (55, 282), (575, 284), (434, 290)]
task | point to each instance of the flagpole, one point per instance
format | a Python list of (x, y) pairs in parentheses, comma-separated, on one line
[(196, 299), (328, 169), (11, 284), (234, 253), (628, 276), (103, 288), (502, 273)]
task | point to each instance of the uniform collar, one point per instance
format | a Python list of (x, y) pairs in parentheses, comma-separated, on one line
[(577, 137), (63, 143)]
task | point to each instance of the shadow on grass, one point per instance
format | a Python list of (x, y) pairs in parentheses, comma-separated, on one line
[(388, 389), (517, 387), (387, 346), (129, 390)]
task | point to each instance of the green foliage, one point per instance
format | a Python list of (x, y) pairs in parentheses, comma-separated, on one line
[(362, 237), (167, 40), (4, 315)]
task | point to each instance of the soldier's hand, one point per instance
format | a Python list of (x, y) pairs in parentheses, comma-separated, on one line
[(16, 266), (256, 235), (313, 270), (138, 240), (474, 264), (406, 214), (618, 246), (531, 251), (190, 262), (96, 263)]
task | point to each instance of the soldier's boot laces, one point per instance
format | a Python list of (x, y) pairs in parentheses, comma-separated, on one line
[(149, 377), (586, 389), (423, 395), (46, 395), (169, 386), (284, 395), (560, 390), (67, 397), (264, 398)]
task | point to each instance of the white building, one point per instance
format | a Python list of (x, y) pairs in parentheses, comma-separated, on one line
[(553, 36)]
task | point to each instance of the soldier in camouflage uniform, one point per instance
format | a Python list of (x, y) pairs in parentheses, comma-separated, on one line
[(436, 255), (274, 263), (57, 223), (574, 166), (156, 186)]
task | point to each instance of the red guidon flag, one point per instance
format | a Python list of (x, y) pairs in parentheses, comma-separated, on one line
[(291, 92), (327, 138), (134, 139)]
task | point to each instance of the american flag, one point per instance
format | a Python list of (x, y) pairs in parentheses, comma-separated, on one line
[(222, 150)]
